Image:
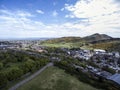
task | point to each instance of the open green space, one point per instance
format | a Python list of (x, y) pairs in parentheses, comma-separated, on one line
[(64, 44), (54, 78)]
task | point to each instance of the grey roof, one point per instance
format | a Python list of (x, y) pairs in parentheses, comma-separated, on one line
[(116, 78)]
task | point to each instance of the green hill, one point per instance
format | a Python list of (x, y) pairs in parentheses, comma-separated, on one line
[(97, 37), (101, 41), (64, 42), (91, 38)]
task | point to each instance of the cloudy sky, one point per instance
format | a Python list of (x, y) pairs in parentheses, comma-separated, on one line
[(58, 18)]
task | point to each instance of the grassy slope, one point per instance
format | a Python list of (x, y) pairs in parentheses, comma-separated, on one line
[(54, 78), (66, 45), (63, 39), (67, 42), (111, 46), (76, 42), (108, 45)]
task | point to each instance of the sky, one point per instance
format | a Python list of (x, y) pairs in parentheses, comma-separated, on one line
[(58, 18)]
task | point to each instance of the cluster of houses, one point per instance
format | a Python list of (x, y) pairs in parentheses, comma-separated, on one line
[(87, 54), (22, 44), (9, 46), (82, 54), (102, 59)]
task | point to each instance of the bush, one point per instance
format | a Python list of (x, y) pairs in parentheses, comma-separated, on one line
[(3, 79)]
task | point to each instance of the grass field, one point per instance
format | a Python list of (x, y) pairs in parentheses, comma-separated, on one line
[(54, 78), (65, 45)]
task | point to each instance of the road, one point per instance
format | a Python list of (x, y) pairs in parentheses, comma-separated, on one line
[(31, 77)]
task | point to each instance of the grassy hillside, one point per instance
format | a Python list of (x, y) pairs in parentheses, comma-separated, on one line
[(54, 78), (67, 42), (110, 46), (76, 42), (63, 40), (64, 45), (100, 41)]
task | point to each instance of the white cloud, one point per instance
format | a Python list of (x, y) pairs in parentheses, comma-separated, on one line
[(16, 13), (24, 14), (55, 13), (17, 25), (69, 16), (102, 15), (93, 8), (40, 11)]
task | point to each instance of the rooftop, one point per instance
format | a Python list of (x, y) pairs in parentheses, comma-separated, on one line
[(116, 78)]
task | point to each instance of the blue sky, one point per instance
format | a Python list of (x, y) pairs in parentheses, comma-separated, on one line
[(58, 18)]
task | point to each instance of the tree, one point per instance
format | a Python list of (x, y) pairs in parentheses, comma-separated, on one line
[(28, 66), (14, 73), (1, 65)]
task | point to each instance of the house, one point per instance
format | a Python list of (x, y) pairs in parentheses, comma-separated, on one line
[(117, 55), (99, 51), (104, 74), (115, 78), (83, 54), (55, 59)]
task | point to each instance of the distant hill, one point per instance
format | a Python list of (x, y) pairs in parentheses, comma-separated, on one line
[(91, 38), (97, 37), (101, 41)]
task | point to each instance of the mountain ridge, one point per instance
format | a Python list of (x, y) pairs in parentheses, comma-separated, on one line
[(97, 37), (91, 38)]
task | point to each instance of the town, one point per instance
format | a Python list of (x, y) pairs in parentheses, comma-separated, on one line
[(103, 63), (97, 62)]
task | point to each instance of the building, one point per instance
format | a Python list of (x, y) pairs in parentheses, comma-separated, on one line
[(115, 78), (99, 51)]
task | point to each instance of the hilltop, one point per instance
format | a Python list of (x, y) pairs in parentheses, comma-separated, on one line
[(97, 37), (91, 38)]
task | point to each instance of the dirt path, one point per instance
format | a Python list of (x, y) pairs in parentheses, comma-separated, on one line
[(31, 77)]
